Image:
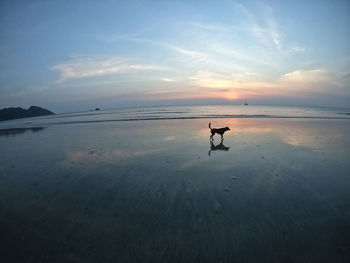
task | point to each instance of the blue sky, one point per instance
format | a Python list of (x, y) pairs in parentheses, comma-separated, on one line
[(77, 55)]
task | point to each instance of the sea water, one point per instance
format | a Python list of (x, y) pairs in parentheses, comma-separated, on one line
[(182, 112)]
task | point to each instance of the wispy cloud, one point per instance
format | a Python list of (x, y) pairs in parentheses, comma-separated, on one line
[(187, 52), (183, 51), (94, 67), (296, 49), (215, 27), (251, 85), (221, 80), (314, 75), (315, 80), (266, 29), (211, 80), (168, 80)]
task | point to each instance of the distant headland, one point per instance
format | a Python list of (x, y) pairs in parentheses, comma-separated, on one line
[(18, 112)]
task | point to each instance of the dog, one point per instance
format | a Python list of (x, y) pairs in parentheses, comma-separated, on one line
[(220, 131)]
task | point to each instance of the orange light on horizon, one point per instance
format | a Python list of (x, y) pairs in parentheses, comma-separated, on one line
[(244, 91)]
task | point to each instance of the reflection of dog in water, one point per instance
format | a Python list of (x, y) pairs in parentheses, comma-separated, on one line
[(220, 147), (220, 131)]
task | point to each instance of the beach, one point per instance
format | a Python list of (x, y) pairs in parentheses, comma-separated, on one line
[(175, 131), (274, 190)]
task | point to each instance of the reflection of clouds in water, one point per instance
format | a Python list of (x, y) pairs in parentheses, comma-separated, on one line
[(104, 156), (312, 137), (301, 140)]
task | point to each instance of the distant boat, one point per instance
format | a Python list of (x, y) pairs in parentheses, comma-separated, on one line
[(246, 103)]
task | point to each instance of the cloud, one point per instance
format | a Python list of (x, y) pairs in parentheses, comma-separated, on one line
[(221, 80), (211, 80), (306, 76), (168, 80), (215, 27), (316, 81), (295, 83), (94, 67), (297, 49), (187, 52), (266, 29)]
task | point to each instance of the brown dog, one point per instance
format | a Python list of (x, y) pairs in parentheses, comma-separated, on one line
[(220, 131)]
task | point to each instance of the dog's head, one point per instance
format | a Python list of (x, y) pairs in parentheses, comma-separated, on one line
[(227, 129)]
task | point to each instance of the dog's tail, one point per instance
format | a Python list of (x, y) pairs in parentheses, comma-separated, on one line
[(209, 125)]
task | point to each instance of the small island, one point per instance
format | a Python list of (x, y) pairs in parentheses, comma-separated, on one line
[(18, 112)]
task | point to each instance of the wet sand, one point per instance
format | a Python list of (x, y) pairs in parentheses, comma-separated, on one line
[(275, 190)]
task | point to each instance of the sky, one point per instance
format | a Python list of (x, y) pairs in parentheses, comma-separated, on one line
[(77, 55)]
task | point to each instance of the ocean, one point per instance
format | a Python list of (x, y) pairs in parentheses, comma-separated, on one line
[(182, 112)]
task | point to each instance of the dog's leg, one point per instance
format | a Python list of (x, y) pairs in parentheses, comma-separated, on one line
[(212, 146)]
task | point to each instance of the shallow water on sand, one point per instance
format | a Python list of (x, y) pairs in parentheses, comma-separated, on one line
[(275, 190)]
